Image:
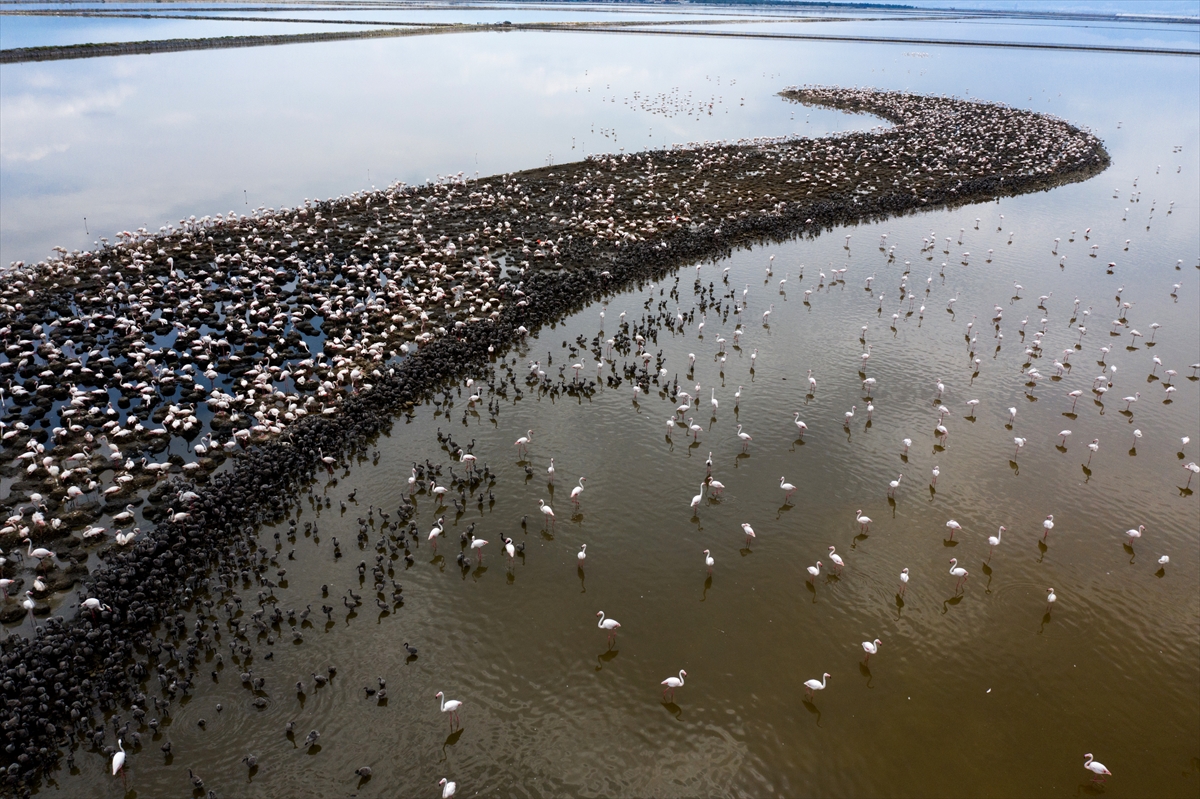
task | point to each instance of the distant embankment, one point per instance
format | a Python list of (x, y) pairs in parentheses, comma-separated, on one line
[(60, 52)]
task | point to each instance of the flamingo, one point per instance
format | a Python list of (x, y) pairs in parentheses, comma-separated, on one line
[(813, 571), (971, 405), (954, 527), (816, 685), (800, 426), (522, 443), (118, 760), (40, 553), (870, 647), (1020, 442), (838, 563), (716, 485), (28, 603), (1130, 400), (936, 471), (1194, 470), (509, 549), (448, 788), (812, 383), (907, 442), (547, 511), (994, 540), (610, 625), (788, 489), (450, 707), (577, 491), (864, 522), (581, 558), (1075, 395), (1051, 598), (1012, 415), (550, 472), (959, 572), (672, 683), (714, 402), (708, 561), (1094, 447), (1134, 535), (434, 533), (893, 485), (1096, 768), (849, 415), (1048, 525), (903, 580), (1063, 437), (412, 481), (698, 498), (694, 428), (745, 437), (749, 531)]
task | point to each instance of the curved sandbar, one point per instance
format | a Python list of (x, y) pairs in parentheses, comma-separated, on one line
[(452, 272)]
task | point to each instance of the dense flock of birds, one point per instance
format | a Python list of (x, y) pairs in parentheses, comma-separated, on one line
[(290, 338)]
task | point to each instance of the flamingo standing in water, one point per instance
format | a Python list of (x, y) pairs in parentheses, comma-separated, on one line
[(547, 511), (672, 683), (1134, 535), (811, 686), (708, 561), (800, 426), (838, 563), (522, 443), (994, 540), (954, 527), (1096, 768), (959, 572), (788, 489), (893, 485), (903, 580), (698, 498), (610, 625), (864, 522), (577, 490), (581, 558), (450, 707), (1048, 525), (870, 647), (448, 788), (1051, 598), (118, 760), (813, 571), (749, 531)]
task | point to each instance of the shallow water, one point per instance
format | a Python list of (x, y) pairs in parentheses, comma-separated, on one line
[(978, 692)]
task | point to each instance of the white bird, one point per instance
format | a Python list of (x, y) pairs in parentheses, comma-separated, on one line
[(935, 472), (994, 540), (1098, 769), (672, 683), (849, 415), (450, 707), (870, 647), (800, 426), (749, 531), (1134, 535), (1048, 525), (577, 491), (448, 788), (954, 527), (1051, 598), (610, 625), (788, 489), (813, 571), (864, 522), (893, 485), (550, 471), (698, 498), (118, 760), (1020, 442), (959, 572), (581, 558), (478, 544), (708, 561), (1164, 560), (903, 579), (745, 437), (907, 442), (547, 511), (816, 685), (836, 558)]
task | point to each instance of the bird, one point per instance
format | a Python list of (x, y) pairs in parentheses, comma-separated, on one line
[(745, 437), (411, 650), (1048, 525), (812, 686), (672, 683), (1134, 535), (813, 571), (450, 707), (478, 544), (1051, 598), (448, 788), (959, 572), (1063, 436), (610, 625), (1130, 400), (893, 485), (954, 527), (801, 427), (903, 579), (118, 759), (935, 472), (1020, 442), (788, 489), (971, 405), (870, 647), (698, 498), (708, 561), (907, 442), (1094, 447), (547, 511), (578, 490), (864, 522), (363, 771), (1163, 561), (994, 540), (1096, 768), (849, 415), (749, 531), (550, 471), (522, 443)]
